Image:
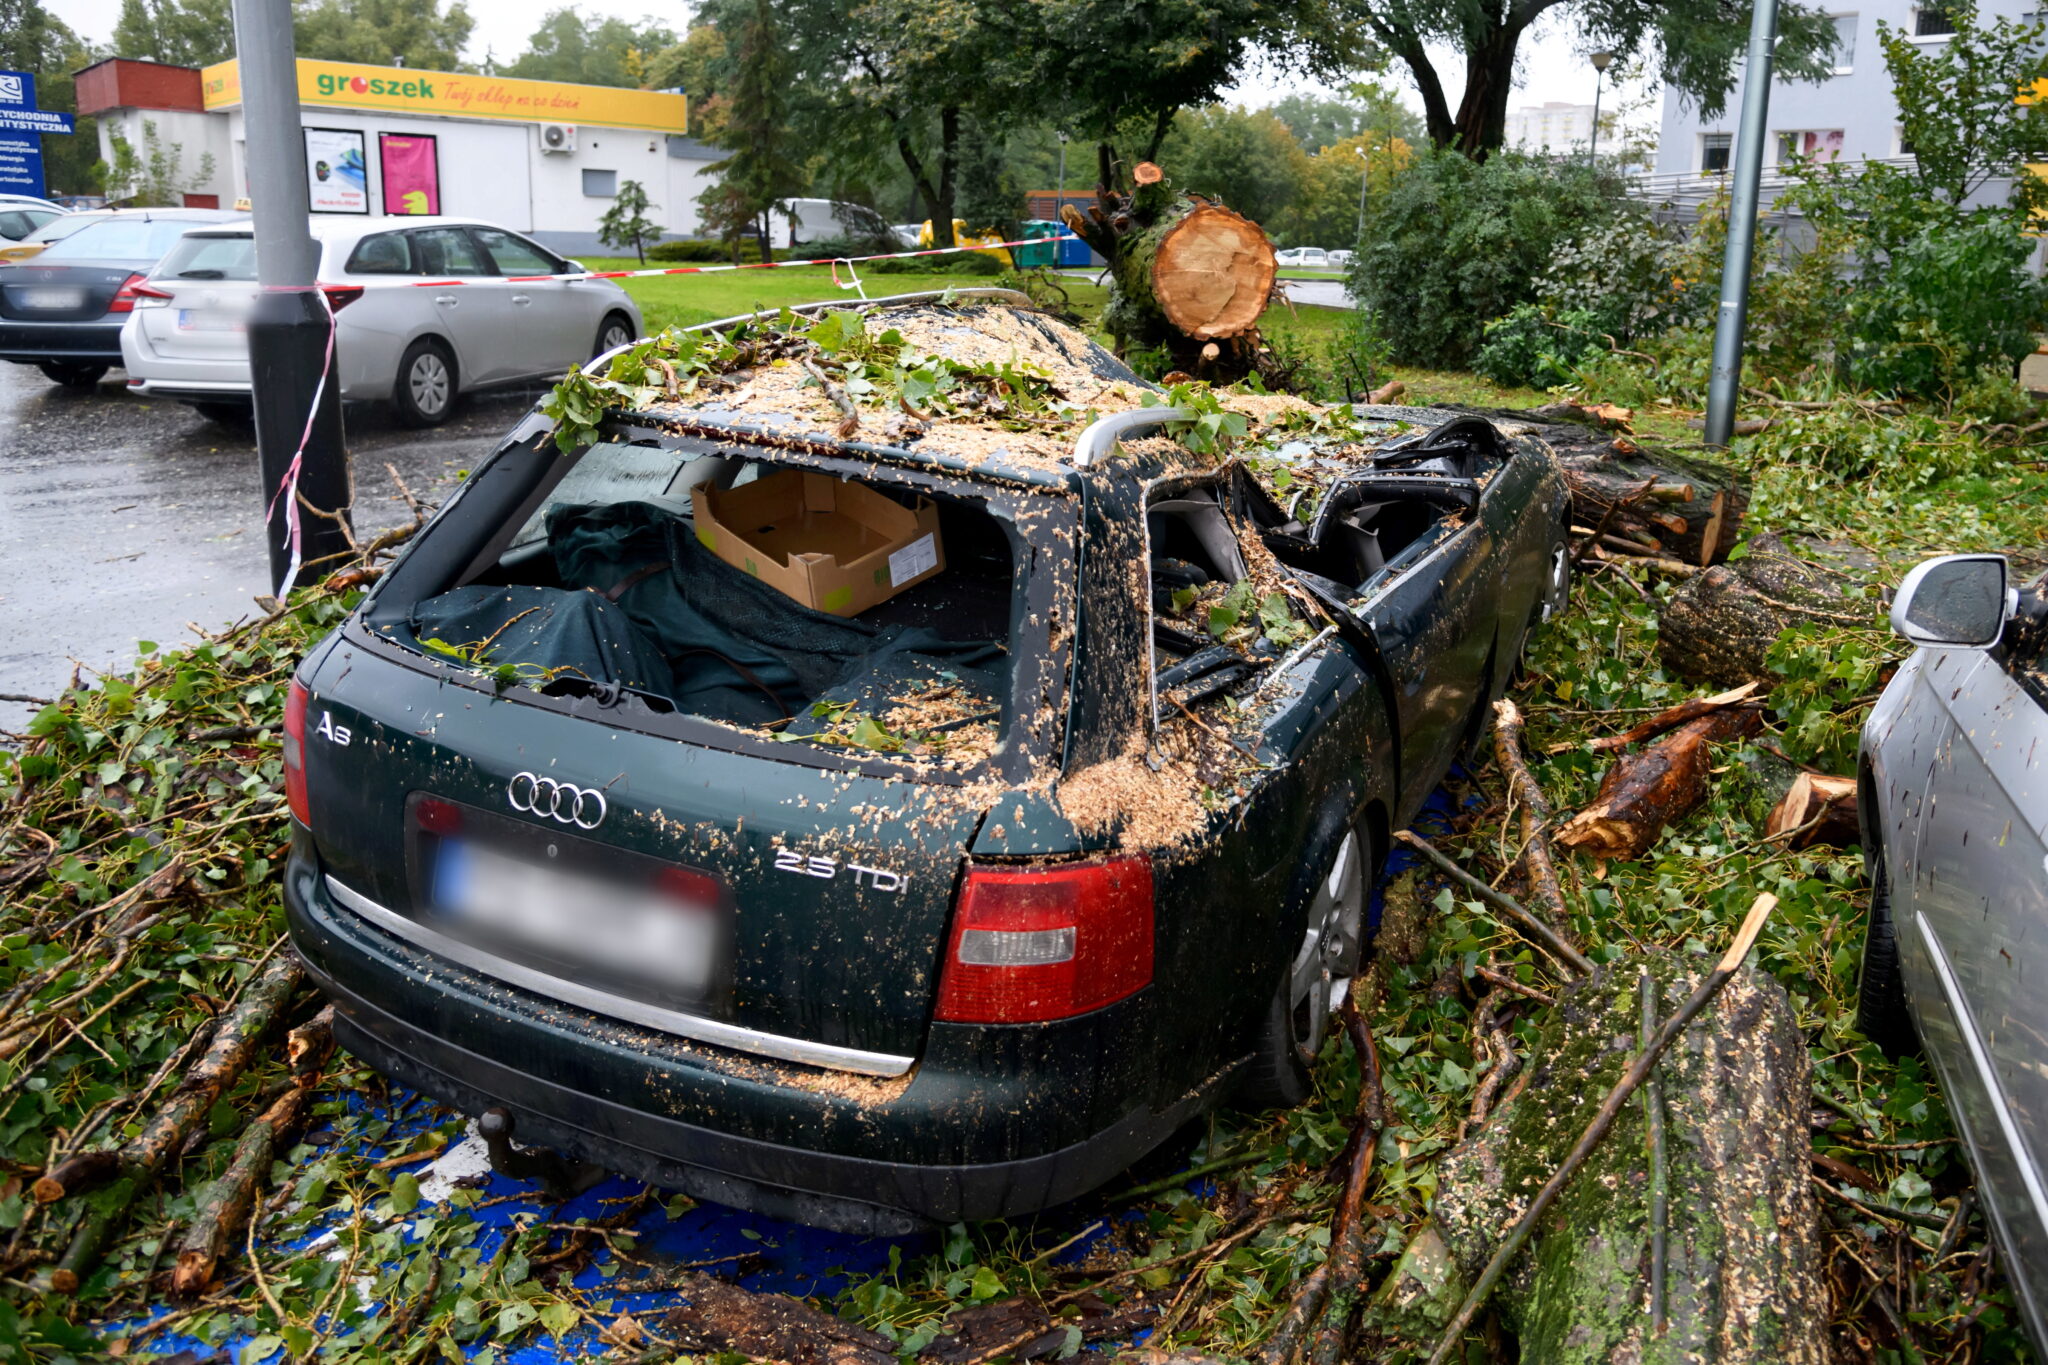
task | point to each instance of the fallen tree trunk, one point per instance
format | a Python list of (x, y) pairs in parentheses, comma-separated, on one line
[(1656, 786), (1743, 1265), (223, 1207), (1719, 626), (1816, 810), (1189, 278)]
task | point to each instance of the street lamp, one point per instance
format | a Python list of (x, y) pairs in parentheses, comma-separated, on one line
[(1060, 189), (1600, 62), (1364, 179)]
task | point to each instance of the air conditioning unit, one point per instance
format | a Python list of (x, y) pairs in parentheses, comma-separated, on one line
[(558, 137)]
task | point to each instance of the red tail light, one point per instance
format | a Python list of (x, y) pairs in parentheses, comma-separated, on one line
[(124, 297), (148, 295), (1036, 944), (340, 296), (295, 753), (437, 816)]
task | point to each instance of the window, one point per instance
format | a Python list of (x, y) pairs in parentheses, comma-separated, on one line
[(600, 184), (1810, 145), (447, 251), (514, 255), (387, 253), (1845, 43), (1714, 150), (1932, 21), (227, 257), (15, 226), (119, 239)]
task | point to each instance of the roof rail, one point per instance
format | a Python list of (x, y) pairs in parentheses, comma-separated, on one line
[(1105, 432)]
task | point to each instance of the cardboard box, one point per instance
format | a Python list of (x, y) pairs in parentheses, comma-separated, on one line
[(839, 547)]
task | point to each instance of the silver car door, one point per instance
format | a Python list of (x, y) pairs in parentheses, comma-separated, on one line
[(1980, 908), (553, 320), (473, 312)]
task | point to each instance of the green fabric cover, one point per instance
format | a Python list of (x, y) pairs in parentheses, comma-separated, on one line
[(542, 632)]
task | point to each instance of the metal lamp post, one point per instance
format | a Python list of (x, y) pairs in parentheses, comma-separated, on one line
[(1733, 314), (299, 444), (1364, 179), (1600, 61), (1060, 188)]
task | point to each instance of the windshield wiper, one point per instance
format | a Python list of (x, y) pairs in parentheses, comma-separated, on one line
[(202, 274)]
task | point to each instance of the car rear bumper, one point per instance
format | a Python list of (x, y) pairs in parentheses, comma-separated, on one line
[(986, 1126), (84, 343), (191, 391)]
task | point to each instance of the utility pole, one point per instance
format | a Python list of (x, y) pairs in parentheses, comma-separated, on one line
[(299, 445), (1364, 179), (1733, 314), (1600, 61)]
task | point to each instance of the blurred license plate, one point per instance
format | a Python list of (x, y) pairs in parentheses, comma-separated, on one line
[(52, 299), (639, 931), (207, 320)]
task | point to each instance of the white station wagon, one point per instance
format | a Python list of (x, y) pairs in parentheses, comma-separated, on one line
[(396, 338)]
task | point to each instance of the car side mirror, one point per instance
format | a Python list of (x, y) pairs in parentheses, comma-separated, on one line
[(578, 268), (1960, 601)]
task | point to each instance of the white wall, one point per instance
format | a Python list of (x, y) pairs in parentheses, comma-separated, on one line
[(196, 135), (483, 165)]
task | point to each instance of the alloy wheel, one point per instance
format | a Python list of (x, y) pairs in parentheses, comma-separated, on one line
[(615, 335), (1320, 979), (1557, 591), (428, 382)]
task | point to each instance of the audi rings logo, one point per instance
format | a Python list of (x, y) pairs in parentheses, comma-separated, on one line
[(582, 807)]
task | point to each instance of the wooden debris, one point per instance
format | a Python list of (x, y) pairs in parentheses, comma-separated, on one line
[(1507, 747), (1816, 810), (1657, 786), (723, 1317), (1690, 709), (223, 1207), (1611, 415), (1540, 933), (1719, 626)]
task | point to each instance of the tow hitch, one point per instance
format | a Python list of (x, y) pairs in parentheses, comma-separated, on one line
[(559, 1177)]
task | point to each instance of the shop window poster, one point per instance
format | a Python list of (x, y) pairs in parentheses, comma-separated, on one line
[(411, 172), (337, 175)]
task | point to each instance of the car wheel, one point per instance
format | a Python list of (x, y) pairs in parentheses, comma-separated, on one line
[(73, 376), (1557, 584), (1881, 1012), (614, 332), (425, 392), (1317, 981), (227, 414)]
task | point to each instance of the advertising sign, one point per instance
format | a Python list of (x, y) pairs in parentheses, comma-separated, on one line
[(401, 90), (337, 176), (21, 147), (410, 168)]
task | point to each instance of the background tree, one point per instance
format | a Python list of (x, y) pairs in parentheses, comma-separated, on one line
[(569, 47), (991, 198), (152, 175), (1248, 160), (1324, 209), (700, 65), (1319, 121), (416, 33), (1694, 45), (180, 32), (33, 39), (1956, 105), (759, 174), (626, 224)]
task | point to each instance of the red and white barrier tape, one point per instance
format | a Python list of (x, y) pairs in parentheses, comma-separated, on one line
[(749, 265), (288, 486)]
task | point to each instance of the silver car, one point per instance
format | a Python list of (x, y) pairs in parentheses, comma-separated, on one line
[(1953, 793), (418, 345)]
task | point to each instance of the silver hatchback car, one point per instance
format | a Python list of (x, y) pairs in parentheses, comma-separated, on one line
[(1953, 794), (416, 344)]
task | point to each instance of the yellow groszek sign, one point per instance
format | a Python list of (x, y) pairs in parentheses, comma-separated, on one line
[(452, 94)]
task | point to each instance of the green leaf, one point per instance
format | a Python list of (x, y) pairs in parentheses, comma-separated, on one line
[(405, 1193), (987, 1284), (559, 1318)]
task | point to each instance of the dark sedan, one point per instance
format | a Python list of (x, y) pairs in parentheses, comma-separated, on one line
[(948, 908), (63, 310)]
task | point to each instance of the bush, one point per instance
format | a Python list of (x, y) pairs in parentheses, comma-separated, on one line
[(693, 249), (966, 263), (1952, 301), (1454, 244), (1534, 348)]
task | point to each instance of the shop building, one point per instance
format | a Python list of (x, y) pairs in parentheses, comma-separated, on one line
[(544, 157)]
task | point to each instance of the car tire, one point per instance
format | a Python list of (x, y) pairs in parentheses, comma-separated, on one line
[(1882, 1014), (73, 376), (1318, 977), (424, 391), (616, 330), (226, 414)]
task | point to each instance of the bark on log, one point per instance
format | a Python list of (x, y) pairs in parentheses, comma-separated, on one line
[(723, 1317), (1656, 786), (1744, 1265), (1719, 626), (224, 1205), (1690, 709), (1189, 278), (1817, 810)]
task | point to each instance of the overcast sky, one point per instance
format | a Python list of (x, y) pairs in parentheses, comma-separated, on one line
[(1551, 68)]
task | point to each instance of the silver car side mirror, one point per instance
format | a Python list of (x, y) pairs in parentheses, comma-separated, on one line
[(1959, 601)]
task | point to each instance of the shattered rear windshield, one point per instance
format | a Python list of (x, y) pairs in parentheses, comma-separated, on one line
[(809, 609)]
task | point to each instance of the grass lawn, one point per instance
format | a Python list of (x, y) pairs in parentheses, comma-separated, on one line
[(683, 300), (1311, 274)]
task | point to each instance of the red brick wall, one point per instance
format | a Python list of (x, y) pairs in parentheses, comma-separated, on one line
[(119, 83)]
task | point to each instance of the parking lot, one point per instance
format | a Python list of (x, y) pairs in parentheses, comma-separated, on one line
[(123, 519)]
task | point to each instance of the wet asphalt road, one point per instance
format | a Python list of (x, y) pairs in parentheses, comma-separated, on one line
[(123, 519)]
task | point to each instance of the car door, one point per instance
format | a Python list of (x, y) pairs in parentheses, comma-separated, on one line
[(1978, 903), (475, 313), (552, 320)]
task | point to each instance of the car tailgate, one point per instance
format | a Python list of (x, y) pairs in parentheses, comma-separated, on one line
[(59, 293), (836, 885), (202, 320)]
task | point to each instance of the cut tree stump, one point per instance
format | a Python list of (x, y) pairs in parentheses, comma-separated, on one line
[(1719, 625), (1189, 278), (1816, 810), (1743, 1270)]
